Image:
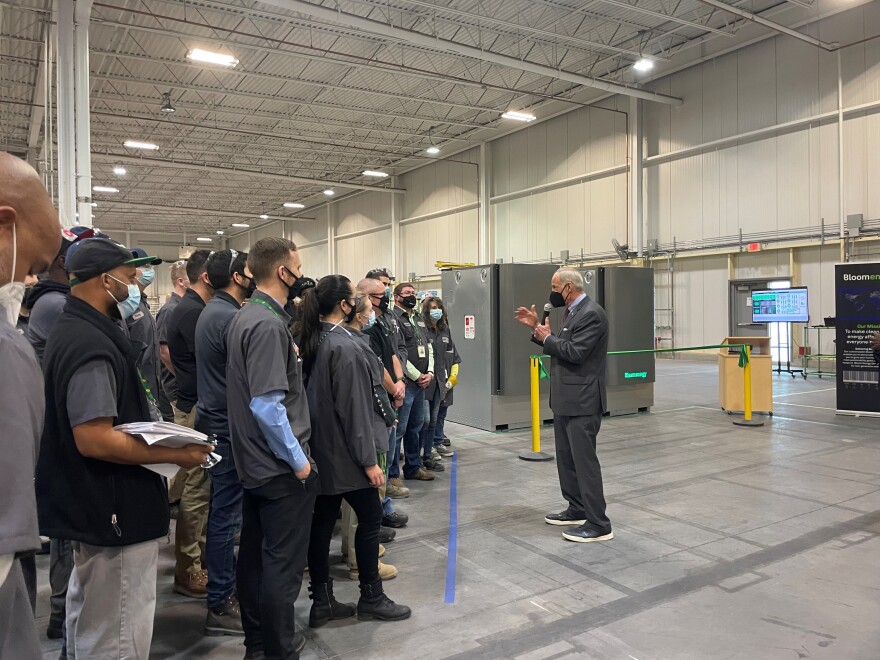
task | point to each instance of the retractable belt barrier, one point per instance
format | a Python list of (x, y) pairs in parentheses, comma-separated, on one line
[(538, 372)]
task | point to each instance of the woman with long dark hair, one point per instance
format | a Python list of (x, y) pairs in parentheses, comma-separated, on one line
[(446, 361), (341, 405)]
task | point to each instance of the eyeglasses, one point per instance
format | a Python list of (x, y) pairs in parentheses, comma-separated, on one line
[(233, 255)]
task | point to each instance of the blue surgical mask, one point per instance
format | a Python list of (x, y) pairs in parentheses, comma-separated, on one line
[(129, 305), (436, 314), (147, 277), (371, 321), (388, 292)]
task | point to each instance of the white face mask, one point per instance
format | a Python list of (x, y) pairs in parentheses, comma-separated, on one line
[(12, 294)]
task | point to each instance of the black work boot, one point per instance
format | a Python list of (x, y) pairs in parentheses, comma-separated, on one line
[(325, 607), (374, 605)]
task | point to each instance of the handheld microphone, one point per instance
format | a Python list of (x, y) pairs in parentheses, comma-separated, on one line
[(547, 309)]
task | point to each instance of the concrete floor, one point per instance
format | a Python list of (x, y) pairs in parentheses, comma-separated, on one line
[(729, 543)]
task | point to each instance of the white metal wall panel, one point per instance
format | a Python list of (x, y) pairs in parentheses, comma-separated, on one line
[(757, 179), (447, 238), (797, 76), (308, 232), (314, 259), (756, 265), (361, 212), (710, 175), (441, 185), (872, 160), (855, 173), (700, 301), (356, 256), (756, 86), (817, 274), (536, 155), (686, 193), (793, 181), (686, 125), (578, 136)]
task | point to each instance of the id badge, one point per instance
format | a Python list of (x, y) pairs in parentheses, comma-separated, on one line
[(423, 352)]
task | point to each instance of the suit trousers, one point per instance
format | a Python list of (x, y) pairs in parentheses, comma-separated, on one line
[(192, 516), (580, 474)]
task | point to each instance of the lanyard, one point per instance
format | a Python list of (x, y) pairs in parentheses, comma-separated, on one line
[(413, 321), (150, 398), (262, 302)]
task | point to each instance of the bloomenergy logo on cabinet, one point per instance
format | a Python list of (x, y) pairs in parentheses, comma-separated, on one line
[(857, 302)]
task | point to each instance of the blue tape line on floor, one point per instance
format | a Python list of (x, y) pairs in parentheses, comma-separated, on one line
[(452, 552)]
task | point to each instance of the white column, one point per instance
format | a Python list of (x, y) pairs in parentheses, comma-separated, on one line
[(395, 231), (83, 119), (66, 129), (636, 178), (840, 184), (331, 242), (485, 225)]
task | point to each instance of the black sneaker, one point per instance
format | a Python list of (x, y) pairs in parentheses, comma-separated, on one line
[(433, 466), (54, 629), (446, 442), (386, 535), (395, 520), (382, 609), (568, 517), (586, 534), (224, 620)]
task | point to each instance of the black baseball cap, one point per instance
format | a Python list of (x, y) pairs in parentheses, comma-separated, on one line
[(71, 235), (93, 256), (140, 253)]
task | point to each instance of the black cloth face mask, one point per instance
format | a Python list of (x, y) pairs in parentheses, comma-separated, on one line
[(557, 299), (408, 301), (383, 304), (299, 285)]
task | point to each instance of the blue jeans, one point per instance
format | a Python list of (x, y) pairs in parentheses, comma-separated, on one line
[(429, 428), (441, 422), (224, 521), (409, 424)]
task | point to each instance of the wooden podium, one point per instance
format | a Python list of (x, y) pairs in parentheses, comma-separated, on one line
[(730, 375)]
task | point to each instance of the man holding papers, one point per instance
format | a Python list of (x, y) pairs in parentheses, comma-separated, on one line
[(91, 486)]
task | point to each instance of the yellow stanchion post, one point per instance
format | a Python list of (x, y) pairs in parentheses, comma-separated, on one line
[(747, 393), (535, 388)]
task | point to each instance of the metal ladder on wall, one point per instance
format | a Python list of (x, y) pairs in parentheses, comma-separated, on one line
[(664, 300)]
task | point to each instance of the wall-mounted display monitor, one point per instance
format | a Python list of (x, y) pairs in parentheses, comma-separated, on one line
[(781, 306)]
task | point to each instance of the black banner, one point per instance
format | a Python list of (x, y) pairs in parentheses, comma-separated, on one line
[(857, 299)]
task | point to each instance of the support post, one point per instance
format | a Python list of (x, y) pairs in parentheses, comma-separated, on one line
[(66, 129), (485, 237), (535, 386), (636, 177), (83, 118), (747, 393), (395, 232)]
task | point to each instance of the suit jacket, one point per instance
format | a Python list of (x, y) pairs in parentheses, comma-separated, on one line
[(577, 368)]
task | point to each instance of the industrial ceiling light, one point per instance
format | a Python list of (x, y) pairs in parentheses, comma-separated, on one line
[(329, 192), (167, 106), (264, 216), (432, 150), (136, 144), (219, 232), (294, 205), (644, 64), (205, 239), (209, 57), (374, 173), (240, 225), (119, 170), (94, 204), (518, 116), (104, 189)]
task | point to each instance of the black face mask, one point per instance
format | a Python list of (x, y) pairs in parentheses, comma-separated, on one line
[(383, 304), (299, 285), (349, 316), (251, 286), (408, 301), (557, 299)]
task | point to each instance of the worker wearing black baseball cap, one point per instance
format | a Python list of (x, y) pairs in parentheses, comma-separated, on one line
[(91, 485)]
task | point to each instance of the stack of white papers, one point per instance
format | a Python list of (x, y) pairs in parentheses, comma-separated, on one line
[(166, 434)]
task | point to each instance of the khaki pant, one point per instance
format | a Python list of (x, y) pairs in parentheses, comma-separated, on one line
[(350, 520), (194, 486)]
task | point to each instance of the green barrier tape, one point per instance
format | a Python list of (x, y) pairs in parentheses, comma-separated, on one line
[(743, 355)]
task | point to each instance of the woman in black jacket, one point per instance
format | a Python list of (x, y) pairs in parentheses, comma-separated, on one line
[(438, 399), (343, 444)]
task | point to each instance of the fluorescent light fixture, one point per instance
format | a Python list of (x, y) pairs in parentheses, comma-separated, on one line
[(644, 64), (294, 205), (219, 232), (378, 175), (264, 216), (94, 204), (135, 144), (241, 225), (518, 116), (209, 57), (205, 239), (119, 170), (106, 189), (329, 192), (432, 150)]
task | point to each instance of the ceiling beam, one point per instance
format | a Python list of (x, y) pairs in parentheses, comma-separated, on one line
[(659, 15), (157, 162), (297, 81), (447, 45), (165, 84), (104, 204), (773, 25)]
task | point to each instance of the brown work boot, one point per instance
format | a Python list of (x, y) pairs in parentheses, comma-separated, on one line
[(194, 585), (396, 490), (386, 572), (421, 475), (381, 552)]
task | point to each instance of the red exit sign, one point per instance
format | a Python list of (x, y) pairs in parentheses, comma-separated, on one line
[(754, 247)]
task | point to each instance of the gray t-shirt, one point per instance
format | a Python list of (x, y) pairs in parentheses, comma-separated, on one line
[(262, 359), (42, 319), (91, 393), (22, 409)]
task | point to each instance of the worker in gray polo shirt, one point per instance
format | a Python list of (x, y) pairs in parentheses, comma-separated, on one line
[(269, 432)]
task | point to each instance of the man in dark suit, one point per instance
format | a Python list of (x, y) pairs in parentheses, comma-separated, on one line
[(577, 396)]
